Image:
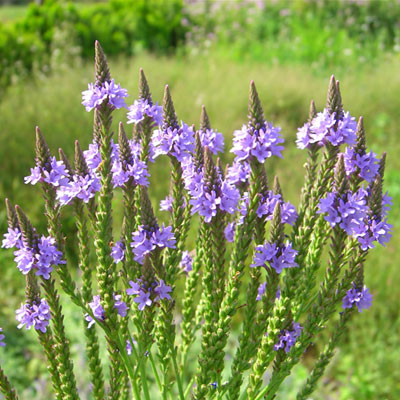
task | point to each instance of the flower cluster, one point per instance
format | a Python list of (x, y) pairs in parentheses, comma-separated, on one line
[(259, 143), (145, 241), (2, 344), (141, 108), (206, 200), (36, 315), (365, 165), (278, 257), (95, 95), (238, 173), (213, 139), (266, 208), (288, 338), (12, 239), (326, 128), (41, 257), (186, 262), (118, 252), (362, 298), (54, 173), (352, 214), (98, 310), (143, 294), (176, 142)]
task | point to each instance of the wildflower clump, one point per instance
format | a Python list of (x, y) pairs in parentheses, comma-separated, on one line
[(151, 296)]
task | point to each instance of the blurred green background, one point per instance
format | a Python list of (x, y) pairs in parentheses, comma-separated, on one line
[(207, 51)]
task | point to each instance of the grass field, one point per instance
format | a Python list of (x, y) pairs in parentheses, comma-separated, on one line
[(366, 367)]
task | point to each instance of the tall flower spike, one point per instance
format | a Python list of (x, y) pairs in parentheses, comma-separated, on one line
[(375, 198), (169, 116), (277, 228), (276, 188), (360, 146), (144, 90), (255, 111), (210, 172), (334, 99), (204, 120), (97, 126), (382, 164), (102, 72), (198, 152), (341, 181), (66, 162), (43, 154), (339, 109), (81, 166), (125, 153), (148, 219), (312, 112), (27, 230), (12, 218)]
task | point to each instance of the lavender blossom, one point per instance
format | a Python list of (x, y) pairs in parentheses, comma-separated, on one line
[(162, 290), (230, 232), (325, 128), (362, 298), (277, 257), (260, 143), (238, 173), (141, 108), (175, 142), (129, 345), (12, 239), (95, 95), (120, 305), (97, 309), (213, 139), (288, 338), (143, 300), (36, 315), (365, 165)]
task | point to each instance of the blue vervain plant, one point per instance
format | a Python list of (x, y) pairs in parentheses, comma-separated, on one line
[(255, 253)]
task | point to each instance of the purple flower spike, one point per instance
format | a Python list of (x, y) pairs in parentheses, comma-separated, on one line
[(2, 344), (134, 289), (362, 298), (163, 291), (12, 239), (213, 140)]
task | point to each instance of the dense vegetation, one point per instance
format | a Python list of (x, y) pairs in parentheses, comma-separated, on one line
[(293, 34)]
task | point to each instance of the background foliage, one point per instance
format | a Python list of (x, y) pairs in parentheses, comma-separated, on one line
[(207, 53)]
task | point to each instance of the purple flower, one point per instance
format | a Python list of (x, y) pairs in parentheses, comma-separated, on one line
[(34, 177), (326, 128), (97, 309), (362, 298), (129, 345), (25, 259), (95, 95), (162, 291), (134, 289), (230, 232), (2, 344), (176, 142), (288, 338), (56, 175), (277, 257), (260, 143), (120, 305), (47, 256), (238, 172), (267, 206), (141, 244), (12, 239), (164, 237), (365, 165), (186, 262), (36, 315), (166, 204), (261, 290), (140, 108), (143, 300), (212, 139), (118, 252)]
